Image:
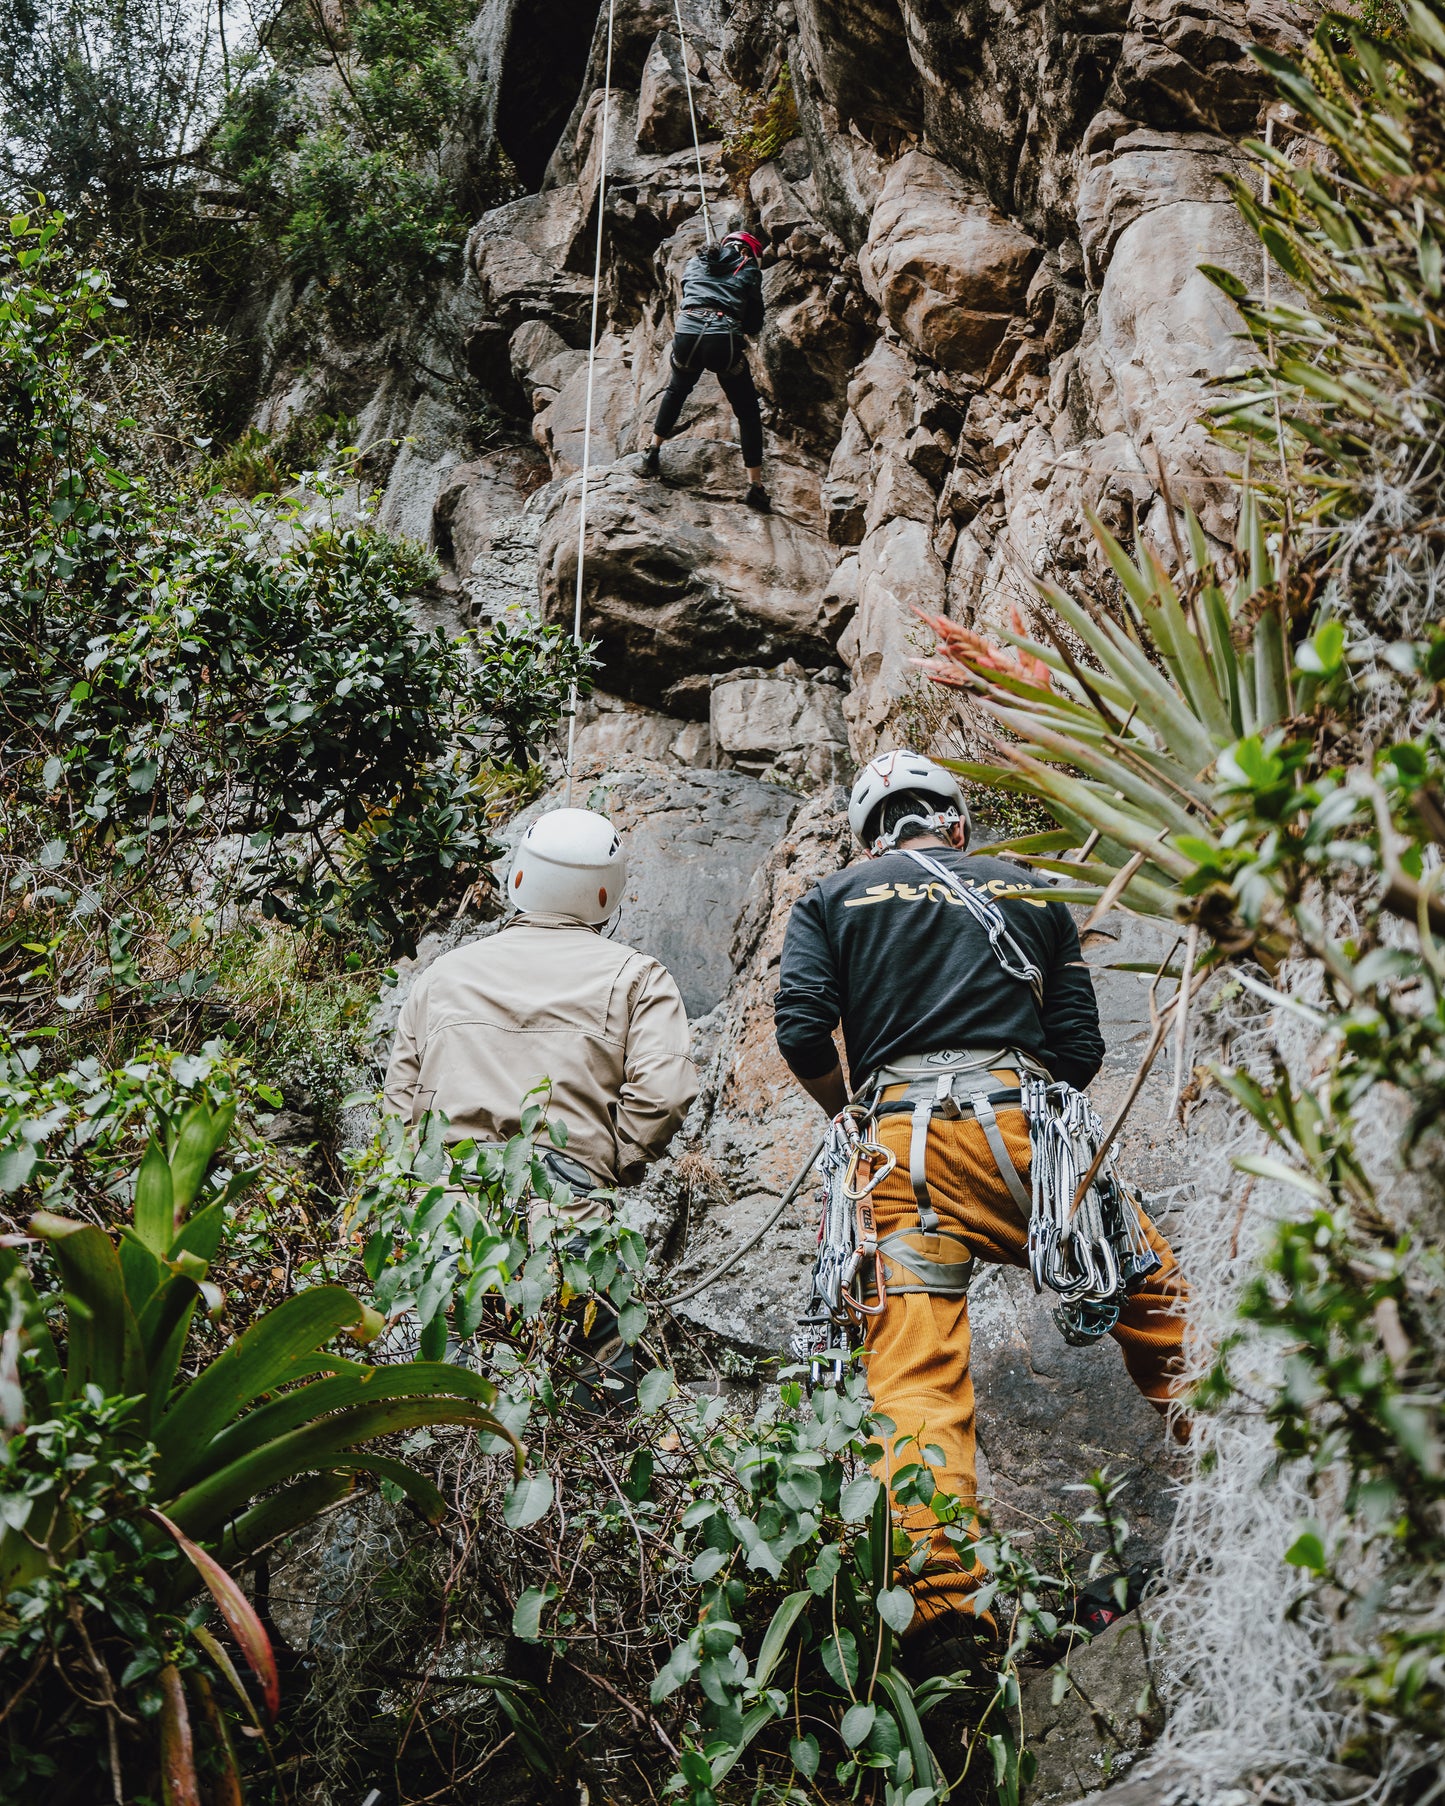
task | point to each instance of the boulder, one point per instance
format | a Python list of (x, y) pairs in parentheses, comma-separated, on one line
[(947, 269), (676, 583), (477, 495), (1164, 331), (898, 572), (1093, 1732), (663, 120), (522, 254), (613, 733), (856, 51), (429, 452), (780, 722)]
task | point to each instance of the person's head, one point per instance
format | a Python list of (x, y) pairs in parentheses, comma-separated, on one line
[(570, 862), (902, 796), (742, 246)]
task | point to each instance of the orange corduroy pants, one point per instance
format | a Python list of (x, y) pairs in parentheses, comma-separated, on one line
[(917, 1350)]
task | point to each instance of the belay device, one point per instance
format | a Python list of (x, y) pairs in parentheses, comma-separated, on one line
[(1093, 1257)]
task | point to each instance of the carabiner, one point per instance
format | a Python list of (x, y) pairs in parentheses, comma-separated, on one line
[(871, 1151)]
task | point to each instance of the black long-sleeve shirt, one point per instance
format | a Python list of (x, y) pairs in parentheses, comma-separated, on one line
[(902, 963)]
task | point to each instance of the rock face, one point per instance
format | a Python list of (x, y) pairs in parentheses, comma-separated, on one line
[(949, 272), (985, 315)]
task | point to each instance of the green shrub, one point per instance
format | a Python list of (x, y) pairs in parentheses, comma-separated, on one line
[(353, 187), (173, 672), (138, 1475)]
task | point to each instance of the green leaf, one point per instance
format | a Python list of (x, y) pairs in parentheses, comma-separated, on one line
[(895, 1688), (632, 1320), (655, 1389), (776, 1636), (840, 1657), (317, 1448), (266, 1356), (282, 1513), (201, 1134), (805, 1755), (155, 1221), (1264, 1166), (857, 1499), (896, 1608), (104, 1337), (527, 1613), (1307, 1551), (857, 1723), (528, 1501)]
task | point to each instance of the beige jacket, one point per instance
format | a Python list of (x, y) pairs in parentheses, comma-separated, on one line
[(547, 998)]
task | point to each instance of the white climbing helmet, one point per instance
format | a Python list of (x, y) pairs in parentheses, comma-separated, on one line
[(569, 863), (893, 772)]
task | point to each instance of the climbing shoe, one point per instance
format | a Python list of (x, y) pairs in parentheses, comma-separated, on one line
[(652, 461), (957, 1644), (758, 499), (1094, 1608)]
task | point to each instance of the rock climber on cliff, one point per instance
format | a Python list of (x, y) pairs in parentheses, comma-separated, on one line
[(550, 996), (722, 307), (946, 1008)]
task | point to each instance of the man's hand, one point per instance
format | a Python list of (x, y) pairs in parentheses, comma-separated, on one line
[(829, 1091)]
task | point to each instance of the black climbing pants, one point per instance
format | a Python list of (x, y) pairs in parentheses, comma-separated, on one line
[(725, 354)]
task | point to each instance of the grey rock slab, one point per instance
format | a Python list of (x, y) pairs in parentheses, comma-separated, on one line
[(948, 270), (694, 840), (677, 584), (1093, 1733)]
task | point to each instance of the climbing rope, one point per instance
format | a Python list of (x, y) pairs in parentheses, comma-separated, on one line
[(692, 115), (587, 422)]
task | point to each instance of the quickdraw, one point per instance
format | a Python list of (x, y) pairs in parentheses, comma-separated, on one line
[(1093, 1257), (852, 1165)]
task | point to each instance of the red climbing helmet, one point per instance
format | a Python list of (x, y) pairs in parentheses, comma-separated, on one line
[(755, 245)]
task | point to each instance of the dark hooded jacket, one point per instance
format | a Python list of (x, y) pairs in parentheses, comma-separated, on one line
[(725, 280)]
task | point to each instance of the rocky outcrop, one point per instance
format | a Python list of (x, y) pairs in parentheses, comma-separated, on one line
[(985, 316)]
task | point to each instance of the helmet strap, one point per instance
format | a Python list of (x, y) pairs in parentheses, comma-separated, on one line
[(938, 823)]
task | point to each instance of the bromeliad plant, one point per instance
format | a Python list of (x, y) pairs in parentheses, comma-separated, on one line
[(140, 1474), (1193, 752)]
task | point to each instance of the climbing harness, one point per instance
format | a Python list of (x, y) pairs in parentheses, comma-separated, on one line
[(692, 115), (1092, 1256), (587, 419)]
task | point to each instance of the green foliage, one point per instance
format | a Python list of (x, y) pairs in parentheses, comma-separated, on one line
[(349, 179), (168, 669), (1350, 386), (358, 220), (771, 122), (126, 1447), (260, 463)]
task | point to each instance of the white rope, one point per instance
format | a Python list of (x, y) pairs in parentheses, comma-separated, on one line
[(587, 423), (692, 115)]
